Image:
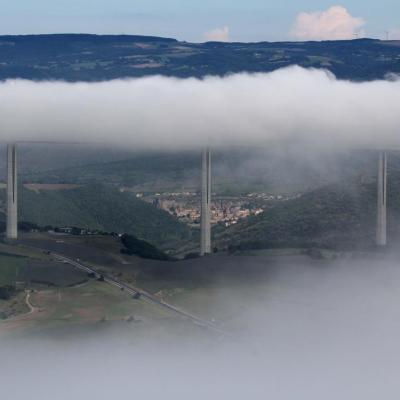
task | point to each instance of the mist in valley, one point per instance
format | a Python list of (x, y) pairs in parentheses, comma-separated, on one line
[(281, 167), (295, 327)]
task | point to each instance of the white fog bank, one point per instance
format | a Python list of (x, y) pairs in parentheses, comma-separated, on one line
[(306, 329), (160, 112)]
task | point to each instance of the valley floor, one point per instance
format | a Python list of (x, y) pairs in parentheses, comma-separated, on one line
[(55, 296)]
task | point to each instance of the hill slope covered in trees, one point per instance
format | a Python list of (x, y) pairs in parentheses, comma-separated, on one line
[(96, 58), (104, 208), (340, 216)]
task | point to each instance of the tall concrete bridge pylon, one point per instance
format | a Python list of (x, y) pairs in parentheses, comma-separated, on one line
[(205, 241), (12, 192), (381, 228)]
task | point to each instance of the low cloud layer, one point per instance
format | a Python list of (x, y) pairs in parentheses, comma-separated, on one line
[(301, 329), (163, 113), (218, 35), (336, 23)]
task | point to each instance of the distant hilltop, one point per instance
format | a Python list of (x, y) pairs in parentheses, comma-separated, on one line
[(79, 37), (85, 57)]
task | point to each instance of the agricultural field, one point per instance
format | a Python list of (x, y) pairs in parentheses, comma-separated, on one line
[(54, 298), (89, 307), (10, 268), (20, 274), (9, 272)]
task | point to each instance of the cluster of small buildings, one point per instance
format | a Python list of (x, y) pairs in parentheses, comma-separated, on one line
[(232, 214), (224, 210), (186, 207)]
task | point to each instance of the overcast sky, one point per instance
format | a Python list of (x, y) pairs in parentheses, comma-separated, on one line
[(199, 20)]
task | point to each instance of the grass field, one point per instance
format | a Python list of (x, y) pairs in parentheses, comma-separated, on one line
[(30, 272), (10, 268), (93, 302), (91, 308), (58, 298)]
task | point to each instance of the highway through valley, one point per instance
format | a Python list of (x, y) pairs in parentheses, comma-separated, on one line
[(133, 291)]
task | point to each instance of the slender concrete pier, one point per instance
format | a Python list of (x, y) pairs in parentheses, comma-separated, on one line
[(205, 241), (381, 228), (12, 210)]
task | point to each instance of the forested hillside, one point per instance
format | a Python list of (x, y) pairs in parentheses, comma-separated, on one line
[(101, 207), (341, 216), (96, 58)]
